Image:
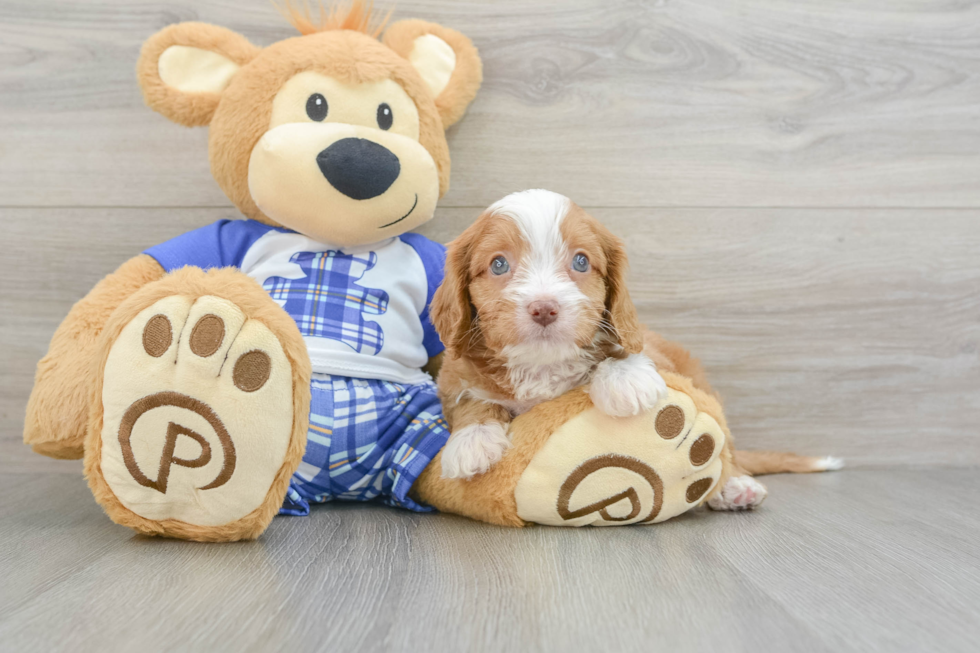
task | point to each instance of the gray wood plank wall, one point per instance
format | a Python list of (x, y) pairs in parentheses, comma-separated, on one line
[(799, 184)]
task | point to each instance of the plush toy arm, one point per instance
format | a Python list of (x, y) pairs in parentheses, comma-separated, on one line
[(57, 412)]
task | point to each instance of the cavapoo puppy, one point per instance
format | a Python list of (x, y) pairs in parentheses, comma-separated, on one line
[(534, 303)]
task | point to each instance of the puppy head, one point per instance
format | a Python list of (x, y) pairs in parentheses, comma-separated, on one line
[(535, 270)]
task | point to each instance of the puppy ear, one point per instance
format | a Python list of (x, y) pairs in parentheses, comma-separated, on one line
[(446, 60), (451, 310), (620, 311), (184, 68)]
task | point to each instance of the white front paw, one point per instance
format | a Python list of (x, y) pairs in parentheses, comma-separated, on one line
[(474, 449), (627, 387)]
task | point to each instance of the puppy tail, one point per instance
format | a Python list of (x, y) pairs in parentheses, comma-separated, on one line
[(779, 462)]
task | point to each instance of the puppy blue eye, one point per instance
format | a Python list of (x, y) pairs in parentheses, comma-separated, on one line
[(316, 107), (499, 265), (580, 263)]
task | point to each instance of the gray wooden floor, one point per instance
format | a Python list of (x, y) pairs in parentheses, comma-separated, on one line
[(874, 560), (799, 186)]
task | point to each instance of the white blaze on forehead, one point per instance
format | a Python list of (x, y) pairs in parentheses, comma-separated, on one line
[(538, 214), (541, 273)]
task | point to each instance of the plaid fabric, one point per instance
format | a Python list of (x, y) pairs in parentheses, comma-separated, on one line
[(328, 302), (367, 439)]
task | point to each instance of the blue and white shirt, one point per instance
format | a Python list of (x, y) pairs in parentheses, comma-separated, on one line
[(363, 311)]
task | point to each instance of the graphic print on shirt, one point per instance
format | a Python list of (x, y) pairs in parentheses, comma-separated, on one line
[(328, 302)]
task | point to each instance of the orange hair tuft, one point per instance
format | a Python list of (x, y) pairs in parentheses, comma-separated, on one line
[(358, 16)]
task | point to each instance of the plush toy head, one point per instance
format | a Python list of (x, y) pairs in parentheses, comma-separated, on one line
[(334, 134)]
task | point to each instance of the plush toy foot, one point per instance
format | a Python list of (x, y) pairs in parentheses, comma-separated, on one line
[(739, 493), (195, 432), (607, 471), (570, 464)]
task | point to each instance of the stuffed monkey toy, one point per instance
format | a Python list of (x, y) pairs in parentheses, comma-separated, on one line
[(257, 366)]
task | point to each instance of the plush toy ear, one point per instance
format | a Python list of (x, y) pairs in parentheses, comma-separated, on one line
[(184, 68), (446, 60)]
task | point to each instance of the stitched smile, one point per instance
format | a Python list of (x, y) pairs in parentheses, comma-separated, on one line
[(404, 216)]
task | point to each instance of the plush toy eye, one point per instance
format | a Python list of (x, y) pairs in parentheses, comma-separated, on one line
[(385, 117), (316, 107), (499, 266), (580, 263)]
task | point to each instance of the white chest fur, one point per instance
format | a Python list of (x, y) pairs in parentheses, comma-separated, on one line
[(539, 373)]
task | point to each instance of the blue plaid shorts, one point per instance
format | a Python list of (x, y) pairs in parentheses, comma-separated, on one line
[(367, 439)]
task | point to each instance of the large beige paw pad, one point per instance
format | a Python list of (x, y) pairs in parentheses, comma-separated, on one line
[(198, 412), (606, 471)]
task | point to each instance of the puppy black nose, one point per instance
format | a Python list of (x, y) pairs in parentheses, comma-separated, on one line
[(359, 168), (543, 312)]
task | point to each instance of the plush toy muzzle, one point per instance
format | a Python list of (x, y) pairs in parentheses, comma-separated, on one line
[(341, 183)]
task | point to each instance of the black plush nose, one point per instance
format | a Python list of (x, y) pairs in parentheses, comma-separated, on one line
[(359, 168)]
